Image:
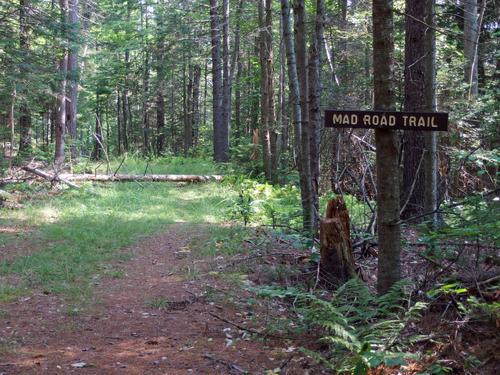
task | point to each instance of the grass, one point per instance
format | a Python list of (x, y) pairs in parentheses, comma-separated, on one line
[(80, 231), (157, 303), (164, 165), (221, 240)]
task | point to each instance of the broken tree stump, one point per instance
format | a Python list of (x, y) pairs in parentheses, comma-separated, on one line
[(337, 260)]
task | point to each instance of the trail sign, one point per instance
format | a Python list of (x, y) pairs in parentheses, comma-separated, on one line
[(427, 121)]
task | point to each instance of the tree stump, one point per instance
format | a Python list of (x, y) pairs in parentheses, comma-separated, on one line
[(337, 261)]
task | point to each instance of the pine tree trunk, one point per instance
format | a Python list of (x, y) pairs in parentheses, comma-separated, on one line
[(267, 95), (471, 30), (196, 104), (25, 125), (387, 149), (160, 77), (226, 80), (188, 123), (60, 127), (98, 130), (73, 75), (412, 195), (221, 141), (305, 161), (430, 138), (314, 68)]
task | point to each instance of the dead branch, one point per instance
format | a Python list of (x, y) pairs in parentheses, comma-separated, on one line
[(49, 177)]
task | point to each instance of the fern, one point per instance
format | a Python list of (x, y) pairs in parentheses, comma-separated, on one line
[(362, 330)]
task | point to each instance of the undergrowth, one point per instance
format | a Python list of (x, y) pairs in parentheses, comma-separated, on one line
[(359, 329)]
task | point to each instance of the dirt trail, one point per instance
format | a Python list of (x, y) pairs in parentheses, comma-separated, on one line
[(123, 331)]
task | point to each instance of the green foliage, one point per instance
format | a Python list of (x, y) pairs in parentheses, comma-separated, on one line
[(265, 204), (278, 205), (361, 330)]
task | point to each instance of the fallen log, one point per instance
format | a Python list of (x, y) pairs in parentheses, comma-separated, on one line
[(140, 178), (49, 177)]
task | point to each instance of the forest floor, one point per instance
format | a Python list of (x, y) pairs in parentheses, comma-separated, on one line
[(150, 278), (153, 318)]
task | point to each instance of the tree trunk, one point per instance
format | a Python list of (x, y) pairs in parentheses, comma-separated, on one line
[(471, 31), (98, 130), (226, 81), (145, 81), (295, 96), (25, 125), (314, 68), (188, 122), (61, 97), (73, 75), (160, 78), (305, 161), (196, 104), (387, 149), (412, 197), (267, 92), (430, 138), (337, 260), (221, 134), (119, 122)]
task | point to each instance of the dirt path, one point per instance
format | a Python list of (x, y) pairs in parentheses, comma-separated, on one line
[(148, 321)]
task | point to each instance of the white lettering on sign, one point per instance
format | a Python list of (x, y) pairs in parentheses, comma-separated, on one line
[(419, 121), (339, 119)]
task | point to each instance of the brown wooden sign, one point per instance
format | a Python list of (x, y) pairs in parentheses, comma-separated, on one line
[(427, 121)]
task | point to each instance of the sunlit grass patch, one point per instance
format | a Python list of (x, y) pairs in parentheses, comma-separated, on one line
[(131, 164), (81, 230)]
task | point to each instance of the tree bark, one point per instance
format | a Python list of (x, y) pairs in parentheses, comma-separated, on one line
[(305, 161), (221, 132), (160, 78), (295, 98), (61, 97), (471, 31), (226, 81), (25, 124), (430, 138), (196, 104), (337, 260), (73, 74), (267, 91), (188, 122), (412, 197), (387, 149), (314, 68)]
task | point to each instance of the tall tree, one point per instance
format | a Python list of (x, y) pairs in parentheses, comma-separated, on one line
[(267, 90), (414, 101), (305, 156), (388, 207), (471, 32), (430, 138), (60, 126), (221, 132), (73, 73), (314, 78), (25, 123)]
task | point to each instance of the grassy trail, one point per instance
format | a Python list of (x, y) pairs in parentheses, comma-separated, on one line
[(72, 236)]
